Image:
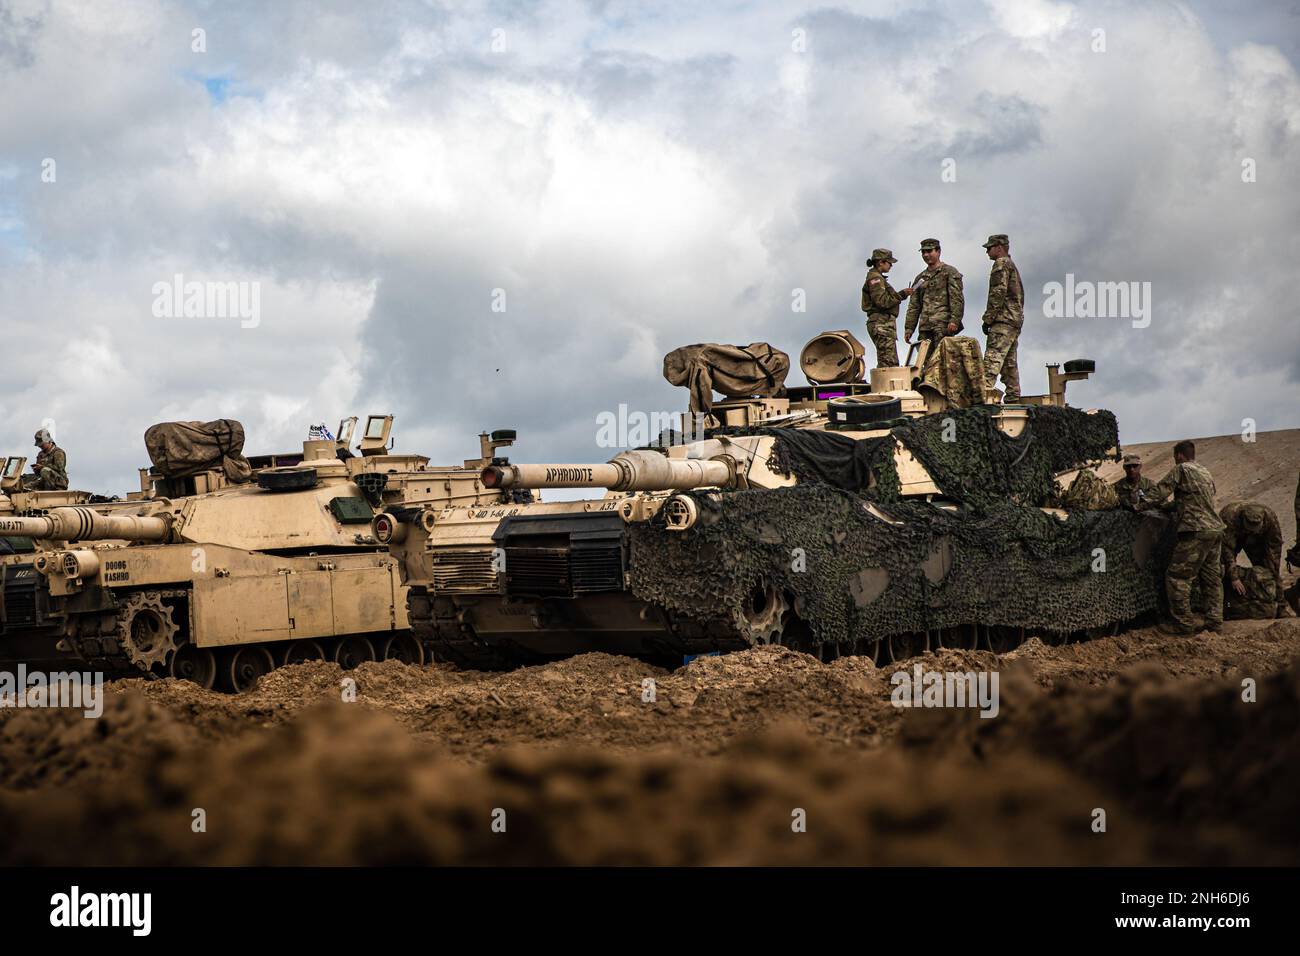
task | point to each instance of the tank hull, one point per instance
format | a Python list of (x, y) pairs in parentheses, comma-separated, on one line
[(897, 582)]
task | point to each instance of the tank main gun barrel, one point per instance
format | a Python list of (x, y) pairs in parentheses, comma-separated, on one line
[(85, 524), (628, 471)]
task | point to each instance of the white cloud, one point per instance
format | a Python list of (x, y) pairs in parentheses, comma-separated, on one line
[(634, 182)]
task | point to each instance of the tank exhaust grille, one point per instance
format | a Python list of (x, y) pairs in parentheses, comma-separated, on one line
[(464, 571)]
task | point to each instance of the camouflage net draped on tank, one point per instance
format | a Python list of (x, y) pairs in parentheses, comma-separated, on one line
[(999, 560), (966, 454), (853, 575)]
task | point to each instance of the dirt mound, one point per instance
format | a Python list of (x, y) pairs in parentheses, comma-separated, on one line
[(718, 768)]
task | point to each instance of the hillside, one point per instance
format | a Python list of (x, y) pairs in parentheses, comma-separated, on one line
[(1264, 470)]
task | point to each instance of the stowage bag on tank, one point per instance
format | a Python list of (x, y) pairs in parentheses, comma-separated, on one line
[(733, 370), (180, 449)]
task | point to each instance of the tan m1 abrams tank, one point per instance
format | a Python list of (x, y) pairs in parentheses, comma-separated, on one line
[(847, 517), (226, 581)]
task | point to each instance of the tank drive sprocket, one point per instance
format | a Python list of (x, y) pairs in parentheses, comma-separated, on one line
[(146, 629)]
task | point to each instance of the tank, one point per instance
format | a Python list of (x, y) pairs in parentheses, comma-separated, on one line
[(882, 518), (218, 581)]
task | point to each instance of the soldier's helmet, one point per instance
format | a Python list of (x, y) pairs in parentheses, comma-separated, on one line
[(998, 239), (882, 255), (1132, 460), (1252, 518), (42, 436)]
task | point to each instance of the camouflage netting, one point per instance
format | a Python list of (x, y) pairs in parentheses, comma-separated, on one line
[(968, 457), (999, 560), (857, 576)]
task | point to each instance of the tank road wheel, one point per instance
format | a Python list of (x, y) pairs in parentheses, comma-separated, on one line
[(404, 648), (352, 651), (195, 664), (146, 629), (762, 616), (300, 652), (245, 666)]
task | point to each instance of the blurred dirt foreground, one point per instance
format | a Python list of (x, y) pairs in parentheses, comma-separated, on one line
[(767, 756)]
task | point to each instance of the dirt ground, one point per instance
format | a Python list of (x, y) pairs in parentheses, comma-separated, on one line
[(719, 768), (1137, 749)]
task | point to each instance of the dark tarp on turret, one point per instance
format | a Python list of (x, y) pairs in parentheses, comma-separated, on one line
[(180, 449), (736, 371)]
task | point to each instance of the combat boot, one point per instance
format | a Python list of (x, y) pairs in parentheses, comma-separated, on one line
[(1175, 628)]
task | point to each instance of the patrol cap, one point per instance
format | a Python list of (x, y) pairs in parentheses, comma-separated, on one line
[(998, 239), (1132, 460), (880, 255), (929, 244), (1252, 517), (42, 436)]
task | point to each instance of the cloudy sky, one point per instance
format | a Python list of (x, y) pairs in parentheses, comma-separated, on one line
[(622, 178)]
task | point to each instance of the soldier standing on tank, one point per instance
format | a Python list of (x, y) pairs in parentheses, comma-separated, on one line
[(50, 470), (1003, 318), (1134, 491), (1200, 538), (938, 302), (881, 302), (1253, 528)]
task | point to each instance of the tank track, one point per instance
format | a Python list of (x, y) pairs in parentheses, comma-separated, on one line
[(449, 639), (96, 640)]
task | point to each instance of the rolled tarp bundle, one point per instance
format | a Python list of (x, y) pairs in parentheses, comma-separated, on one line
[(181, 449), (736, 371)]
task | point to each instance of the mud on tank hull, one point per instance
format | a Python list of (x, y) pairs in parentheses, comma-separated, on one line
[(147, 627)]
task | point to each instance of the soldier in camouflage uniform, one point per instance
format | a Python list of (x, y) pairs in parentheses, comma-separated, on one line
[(50, 470), (881, 302), (1200, 539), (1253, 528), (1293, 556), (938, 302), (1292, 594), (1133, 490), (1003, 318)]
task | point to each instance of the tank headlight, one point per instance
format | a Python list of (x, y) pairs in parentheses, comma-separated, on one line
[(80, 564), (387, 529), (680, 513)]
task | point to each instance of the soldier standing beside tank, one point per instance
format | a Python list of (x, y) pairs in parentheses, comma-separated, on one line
[(1293, 556), (1292, 594), (1003, 318), (50, 470), (938, 302), (1200, 538), (1134, 491), (1254, 528), (881, 302)]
